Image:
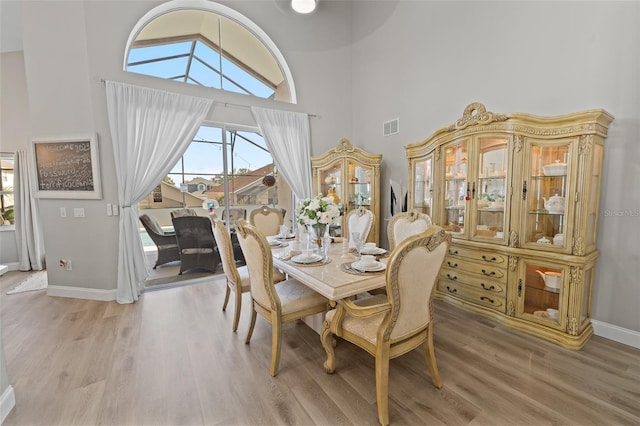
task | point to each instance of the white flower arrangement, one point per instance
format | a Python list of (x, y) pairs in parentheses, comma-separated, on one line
[(318, 210)]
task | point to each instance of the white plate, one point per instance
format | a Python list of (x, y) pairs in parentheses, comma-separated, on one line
[(273, 243), (377, 250), (287, 237), (301, 258), (379, 266)]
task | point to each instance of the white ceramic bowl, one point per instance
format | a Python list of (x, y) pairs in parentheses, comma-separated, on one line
[(555, 169)]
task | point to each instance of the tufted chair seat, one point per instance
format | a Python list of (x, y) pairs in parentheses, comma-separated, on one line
[(238, 280), (288, 301), (388, 326)]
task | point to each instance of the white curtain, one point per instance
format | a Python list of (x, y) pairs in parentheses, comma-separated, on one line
[(150, 130), (289, 140), (28, 229)]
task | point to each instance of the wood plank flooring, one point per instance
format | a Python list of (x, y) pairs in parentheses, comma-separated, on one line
[(172, 359)]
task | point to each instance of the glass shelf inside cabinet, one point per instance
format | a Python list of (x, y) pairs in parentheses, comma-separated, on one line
[(492, 187), (542, 289), (547, 195)]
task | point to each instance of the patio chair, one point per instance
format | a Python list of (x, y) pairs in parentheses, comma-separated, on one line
[(165, 241), (182, 212), (198, 249)]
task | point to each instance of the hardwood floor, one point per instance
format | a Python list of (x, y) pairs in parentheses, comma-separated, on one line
[(172, 359)]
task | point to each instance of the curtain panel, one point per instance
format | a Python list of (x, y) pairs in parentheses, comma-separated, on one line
[(288, 138), (29, 239), (150, 130)]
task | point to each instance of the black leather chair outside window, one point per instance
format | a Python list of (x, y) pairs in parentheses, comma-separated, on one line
[(198, 249), (165, 241)]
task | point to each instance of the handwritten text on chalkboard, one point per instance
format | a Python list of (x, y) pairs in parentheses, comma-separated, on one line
[(64, 166)]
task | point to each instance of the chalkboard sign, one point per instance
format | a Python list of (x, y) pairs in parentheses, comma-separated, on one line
[(67, 168)]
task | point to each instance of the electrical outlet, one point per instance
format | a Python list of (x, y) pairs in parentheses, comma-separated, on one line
[(116, 210), (78, 212), (68, 266), (109, 210)]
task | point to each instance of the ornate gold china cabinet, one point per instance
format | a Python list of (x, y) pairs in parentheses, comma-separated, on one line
[(354, 176), (520, 195)]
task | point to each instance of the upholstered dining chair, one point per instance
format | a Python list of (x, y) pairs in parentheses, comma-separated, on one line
[(198, 249), (165, 241), (391, 325), (404, 225), (359, 220), (288, 301), (267, 220), (237, 277)]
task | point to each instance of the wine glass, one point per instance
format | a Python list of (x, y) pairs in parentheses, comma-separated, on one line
[(356, 238)]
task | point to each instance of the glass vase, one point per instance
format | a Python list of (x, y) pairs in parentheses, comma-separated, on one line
[(317, 234)]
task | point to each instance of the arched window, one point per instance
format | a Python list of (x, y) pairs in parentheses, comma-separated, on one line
[(208, 44)]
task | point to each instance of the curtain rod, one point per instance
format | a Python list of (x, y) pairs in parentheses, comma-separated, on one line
[(102, 80)]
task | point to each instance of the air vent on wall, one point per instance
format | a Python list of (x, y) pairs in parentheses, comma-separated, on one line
[(391, 127)]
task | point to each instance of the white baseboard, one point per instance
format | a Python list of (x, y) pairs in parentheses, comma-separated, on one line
[(617, 334), (12, 266), (7, 402), (82, 293)]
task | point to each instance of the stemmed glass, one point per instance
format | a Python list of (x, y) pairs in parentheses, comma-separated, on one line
[(357, 242)]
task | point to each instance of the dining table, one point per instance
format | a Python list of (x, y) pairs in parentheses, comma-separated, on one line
[(333, 277)]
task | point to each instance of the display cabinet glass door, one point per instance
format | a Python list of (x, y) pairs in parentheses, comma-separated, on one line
[(423, 174), (541, 291), (545, 193), (330, 180), (456, 187), (358, 186), (490, 189)]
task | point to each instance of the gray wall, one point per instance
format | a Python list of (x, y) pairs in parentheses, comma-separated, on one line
[(355, 66), (424, 62)]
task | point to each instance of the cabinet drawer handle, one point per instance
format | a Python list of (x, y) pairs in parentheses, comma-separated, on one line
[(489, 259), (452, 290), (487, 299), (452, 277), (490, 274), (490, 288), (453, 252), (453, 265)]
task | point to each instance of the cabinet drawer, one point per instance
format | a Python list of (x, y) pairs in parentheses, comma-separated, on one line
[(478, 297), (483, 270), (478, 255), (481, 283)]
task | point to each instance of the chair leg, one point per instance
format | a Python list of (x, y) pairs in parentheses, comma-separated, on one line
[(430, 355), (253, 323), (236, 314), (276, 344), (327, 339), (226, 298), (382, 386)]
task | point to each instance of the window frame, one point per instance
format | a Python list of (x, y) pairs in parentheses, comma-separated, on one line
[(208, 6)]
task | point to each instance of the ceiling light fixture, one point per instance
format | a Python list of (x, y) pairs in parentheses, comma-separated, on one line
[(303, 6)]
